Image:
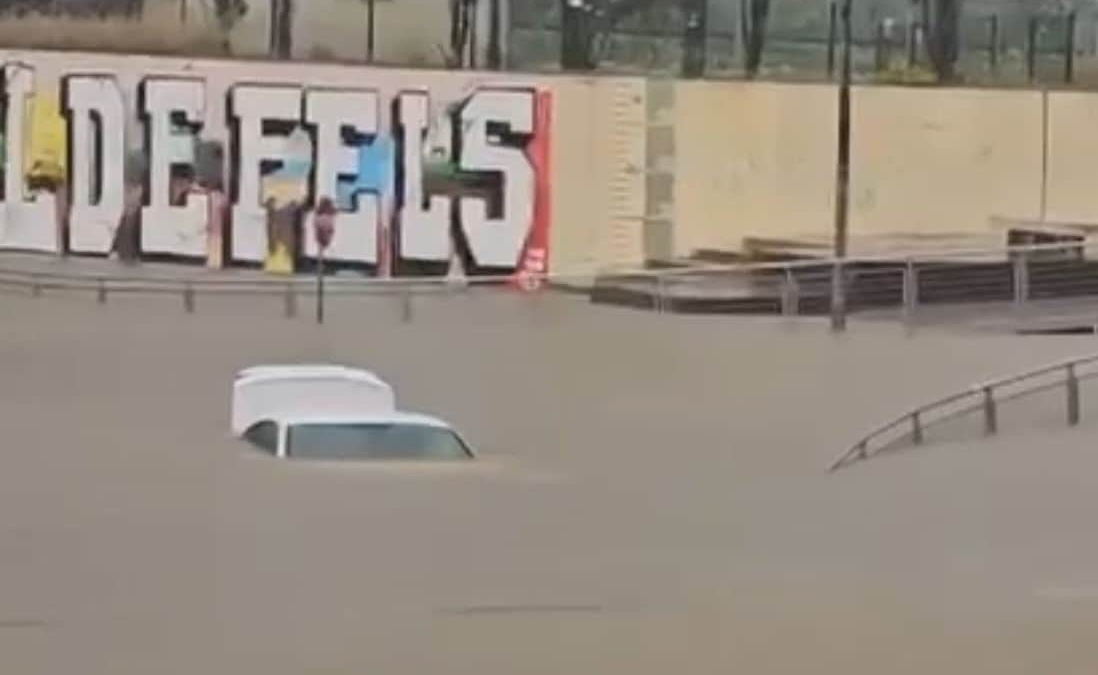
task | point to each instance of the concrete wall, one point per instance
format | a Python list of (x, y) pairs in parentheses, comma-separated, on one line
[(602, 171), (758, 160), (566, 181), (751, 159)]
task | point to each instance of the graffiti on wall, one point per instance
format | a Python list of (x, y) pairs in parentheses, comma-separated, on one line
[(97, 165)]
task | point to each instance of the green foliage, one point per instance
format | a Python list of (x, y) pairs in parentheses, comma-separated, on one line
[(899, 73)]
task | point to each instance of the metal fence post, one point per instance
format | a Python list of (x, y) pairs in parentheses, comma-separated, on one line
[(657, 302), (1032, 35), (1072, 396), (838, 297), (188, 298), (1021, 278), (289, 302), (910, 293), (917, 428), (1069, 48), (406, 314), (101, 293), (790, 294), (991, 417)]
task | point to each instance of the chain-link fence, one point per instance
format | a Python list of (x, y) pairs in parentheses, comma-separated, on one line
[(998, 41), (1003, 42)]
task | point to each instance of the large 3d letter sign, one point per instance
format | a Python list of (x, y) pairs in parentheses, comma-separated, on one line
[(497, 242), (334, 114), (460, 177), (28, 220), (174, 112), (97, 152)]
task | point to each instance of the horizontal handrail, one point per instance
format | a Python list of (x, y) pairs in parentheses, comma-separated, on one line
[(861, 449), (923, 257)]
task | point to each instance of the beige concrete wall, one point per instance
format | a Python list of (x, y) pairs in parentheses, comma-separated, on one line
[(1072, 192), (752, 159), (598, 187), (943, 160), (758, 159)]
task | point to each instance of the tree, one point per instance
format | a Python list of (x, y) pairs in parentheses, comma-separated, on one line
[(228, 13), (462, 16), (754, 15), (583, 22), (282, 28), (495, 35), (942, 19)]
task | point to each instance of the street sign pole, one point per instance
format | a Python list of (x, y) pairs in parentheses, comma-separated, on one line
[(320, 286), (323, 230)]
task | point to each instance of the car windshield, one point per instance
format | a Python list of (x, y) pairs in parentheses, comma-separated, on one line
[(374, 441)]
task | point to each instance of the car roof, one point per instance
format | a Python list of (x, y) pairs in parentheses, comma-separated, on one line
[(309, 371), (395, 417), (278, 392)]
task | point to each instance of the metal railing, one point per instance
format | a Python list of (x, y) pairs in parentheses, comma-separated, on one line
[(188, 288), (905, 285), (985, 398)]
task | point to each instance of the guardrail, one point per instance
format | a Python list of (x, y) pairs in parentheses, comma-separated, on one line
[(983, 397), (905, 282), (189, 287)]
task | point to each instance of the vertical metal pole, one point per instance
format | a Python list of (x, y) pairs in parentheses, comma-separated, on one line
[(1069, 49), (1021, 279), (1031, 49), (320, 285), (991, 415), (188, 298), (1072, 396), (289, 307), (832, 36), (370, 31), (910, 293), (917, 428), (913, 36), (790, 294), (101, 295), (842, 179), (993, 43)]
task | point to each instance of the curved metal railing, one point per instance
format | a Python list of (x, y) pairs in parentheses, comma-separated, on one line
[(985, 397)]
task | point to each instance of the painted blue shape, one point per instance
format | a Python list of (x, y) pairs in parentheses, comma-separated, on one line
[(375, 162), (375, 166)]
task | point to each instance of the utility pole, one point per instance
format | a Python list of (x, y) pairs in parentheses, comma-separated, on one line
[(842, 178)]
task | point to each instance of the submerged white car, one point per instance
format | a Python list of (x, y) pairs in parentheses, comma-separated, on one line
[(334, 412)]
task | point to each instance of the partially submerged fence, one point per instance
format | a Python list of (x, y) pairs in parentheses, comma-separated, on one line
[(983, 399)]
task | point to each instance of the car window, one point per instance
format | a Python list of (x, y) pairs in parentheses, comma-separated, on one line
[(263, 435), (374, 441)]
